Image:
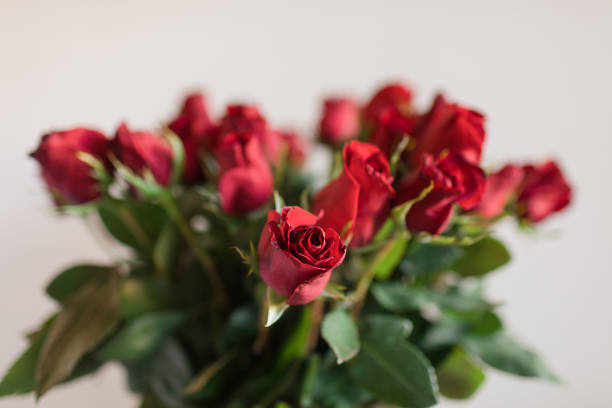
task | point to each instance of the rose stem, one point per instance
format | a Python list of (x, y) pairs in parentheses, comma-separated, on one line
[(207, 263)]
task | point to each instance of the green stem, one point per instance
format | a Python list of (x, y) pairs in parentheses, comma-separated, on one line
[(203, 258)]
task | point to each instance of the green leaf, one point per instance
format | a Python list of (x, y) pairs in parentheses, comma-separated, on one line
[(340, 332), (141, 295), (395, 371), (398, 297), (19, 379), (134, 223), (389, 326), (85, 320), (178, 156), (295, 346), (389, 257), (276, 305), (68, 282), (334, 388), (482, 257), (140, 337), (505, 354), (458, 376), (429, 258), (165, 249)]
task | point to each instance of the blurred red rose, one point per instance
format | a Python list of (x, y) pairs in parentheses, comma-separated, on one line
[(451, 128), (296, 147), (361, 194), (193, 126), (247, 118), (143, 151), (394, 95), (69, 179), (499, 189), (297, 254), (340, 121), (245, 180), (389, 127), (544, 191), (455, 180)]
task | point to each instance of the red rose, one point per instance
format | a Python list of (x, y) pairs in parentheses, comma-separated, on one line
[(297, 254), (246, 118), (499, 189), (193, 126), (340, 121), (143, 151), (455, 180), (245, 180), (544, 191), (296, 148), (361, 194), (389, 127), (69, 179), (449, 128), (394, 95)]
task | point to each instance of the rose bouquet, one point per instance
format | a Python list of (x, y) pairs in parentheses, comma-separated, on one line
[(245, 285)]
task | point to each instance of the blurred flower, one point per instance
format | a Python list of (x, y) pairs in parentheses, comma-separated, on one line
[(297, 254), (393, 95), (340, 121), (143, 151), (499, 189), (389, 126), (296, 147), (193, 127), (544, 191), (449, 128), (361, 194), (70, 179), (455, 180), (245, 181)]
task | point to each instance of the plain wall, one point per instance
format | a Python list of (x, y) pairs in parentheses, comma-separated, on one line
[(540, 71)]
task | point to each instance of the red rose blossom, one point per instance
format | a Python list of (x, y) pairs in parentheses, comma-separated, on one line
[(451, 128), (143, 151), (543, 192), (389, 127), (245, 180), (193, 127), (69, 179), (361, 194), (247, 118), (296, 148), (297, 254), (394, 95), (455, 180), (340, 121), (499, 189)]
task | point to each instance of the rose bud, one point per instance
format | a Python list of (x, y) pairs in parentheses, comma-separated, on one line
[(69, 179), (246, 118), (394, 95), (449, 128), (455, 180), (389, 127), (296, 148), (360, 195), (297, 254), (544, 191), (143, 151), (193, 127), (500, 187), (245, 179), (340, 121)]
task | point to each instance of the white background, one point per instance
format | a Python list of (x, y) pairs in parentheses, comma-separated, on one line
[(539, 70)]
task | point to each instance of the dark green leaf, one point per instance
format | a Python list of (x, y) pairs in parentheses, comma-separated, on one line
[(398, 297), (334, 388), (68, 282), (19, 379), (388, 326), (505, 354), (429, 258), (482, 257), (396, 372), (86, 319), (141, 295), (458, 376), (340, 332), (140, 337), (295, 346), (165, 249)]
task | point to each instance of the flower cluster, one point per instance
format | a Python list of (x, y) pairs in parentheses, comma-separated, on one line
[(402, 222)]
